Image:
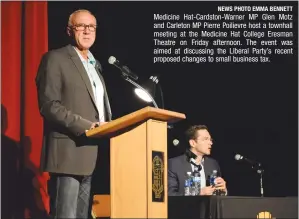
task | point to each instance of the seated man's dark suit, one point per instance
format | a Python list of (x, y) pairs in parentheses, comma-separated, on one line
[(179, 166)]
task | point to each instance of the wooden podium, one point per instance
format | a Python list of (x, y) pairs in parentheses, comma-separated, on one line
[(138, 164)]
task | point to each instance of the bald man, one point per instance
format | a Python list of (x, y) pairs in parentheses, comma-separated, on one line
[(72, 98)]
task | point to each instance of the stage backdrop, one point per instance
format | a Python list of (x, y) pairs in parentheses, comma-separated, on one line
[(24, 40)]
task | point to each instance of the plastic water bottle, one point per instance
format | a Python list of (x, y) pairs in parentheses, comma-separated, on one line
[(212, 180), (197, 184), (213, 177), (188, 184), (193, 191)]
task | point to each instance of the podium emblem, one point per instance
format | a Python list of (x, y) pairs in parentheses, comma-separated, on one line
[(264, 215), (158, 177)]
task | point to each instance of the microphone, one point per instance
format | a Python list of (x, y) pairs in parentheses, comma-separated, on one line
[(98, 66), (125, 70), (252, 162), (175, 142)]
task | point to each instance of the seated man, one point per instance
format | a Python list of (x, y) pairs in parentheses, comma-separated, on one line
[(200, 144)]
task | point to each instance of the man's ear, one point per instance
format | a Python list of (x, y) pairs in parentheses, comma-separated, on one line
[(69, 31), (191, 143)]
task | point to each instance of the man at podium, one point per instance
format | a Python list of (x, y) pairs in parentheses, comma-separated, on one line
[(196, 157), (72, 98)]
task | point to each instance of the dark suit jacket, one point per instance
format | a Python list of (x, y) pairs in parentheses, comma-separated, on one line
[(179, 166), (67, 104)]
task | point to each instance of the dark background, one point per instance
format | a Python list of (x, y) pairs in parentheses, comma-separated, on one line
[(250, 109)]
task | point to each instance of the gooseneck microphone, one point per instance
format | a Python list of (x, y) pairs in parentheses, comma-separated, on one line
[(256, 166), (239, 157), (124, 69)]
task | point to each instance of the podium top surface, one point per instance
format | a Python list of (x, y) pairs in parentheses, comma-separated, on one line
[(134, 118)]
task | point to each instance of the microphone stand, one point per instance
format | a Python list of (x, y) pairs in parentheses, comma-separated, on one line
[(260, 171)]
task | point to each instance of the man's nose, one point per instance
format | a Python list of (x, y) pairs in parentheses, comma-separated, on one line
[(86, 30)]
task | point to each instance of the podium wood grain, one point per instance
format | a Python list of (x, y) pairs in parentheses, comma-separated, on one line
[(133, 139)]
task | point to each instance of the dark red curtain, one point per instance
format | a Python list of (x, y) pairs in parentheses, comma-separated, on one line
[(24, 38)]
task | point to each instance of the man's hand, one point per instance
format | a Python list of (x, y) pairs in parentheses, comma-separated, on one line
[(96, 124), (220, 183), (208, 190)]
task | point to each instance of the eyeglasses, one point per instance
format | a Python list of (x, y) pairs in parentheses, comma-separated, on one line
[(82, 27), (205, 139)]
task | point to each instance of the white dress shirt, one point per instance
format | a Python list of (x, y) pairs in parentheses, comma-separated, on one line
[(96, 83)]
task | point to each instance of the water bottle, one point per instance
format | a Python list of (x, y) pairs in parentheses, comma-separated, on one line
[(193, 191), (197, 184), (212, 181), (187, 185), (213, 177)]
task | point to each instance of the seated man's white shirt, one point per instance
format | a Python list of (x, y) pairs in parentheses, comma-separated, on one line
[(202, 175)]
